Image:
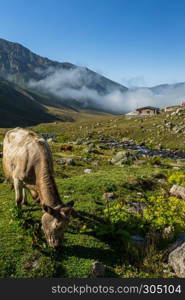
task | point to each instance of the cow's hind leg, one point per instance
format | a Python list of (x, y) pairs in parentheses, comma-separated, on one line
[(24, 197), (18, 186)]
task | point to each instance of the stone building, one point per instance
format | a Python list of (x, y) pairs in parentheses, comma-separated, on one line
[(148, 110)]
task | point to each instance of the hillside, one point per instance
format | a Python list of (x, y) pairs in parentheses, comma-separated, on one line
[(19, 108), (29, 70), (123, 209)]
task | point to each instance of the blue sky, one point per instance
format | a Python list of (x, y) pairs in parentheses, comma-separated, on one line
[(134, 42)]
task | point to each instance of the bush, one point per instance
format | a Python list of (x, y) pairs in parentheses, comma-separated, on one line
[(159, 213), (177, 178), (122, 220), (162, 212)]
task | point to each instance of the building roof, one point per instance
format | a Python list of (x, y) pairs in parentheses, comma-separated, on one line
[(147, 107)]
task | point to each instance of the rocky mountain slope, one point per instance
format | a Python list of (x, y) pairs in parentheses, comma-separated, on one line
[(23, 67)]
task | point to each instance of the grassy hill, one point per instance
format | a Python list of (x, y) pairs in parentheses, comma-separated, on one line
[(17, 107), (101, 229)]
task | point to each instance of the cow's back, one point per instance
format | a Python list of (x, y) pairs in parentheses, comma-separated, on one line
[(22, 153)]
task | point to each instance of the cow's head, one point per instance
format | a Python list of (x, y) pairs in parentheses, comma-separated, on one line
[(54, 223)]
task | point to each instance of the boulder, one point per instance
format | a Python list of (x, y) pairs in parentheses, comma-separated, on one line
[(178, 191), (125, 139), (98, 269), (162, 181), (168, 232), (135, 207), (123, 157), (67, 161), (91, 150), (176, 257), (95, 163), (88, 171), (109, 196)]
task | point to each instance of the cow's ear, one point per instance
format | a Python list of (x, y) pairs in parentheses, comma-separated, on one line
[(66, 211), (49, 209)]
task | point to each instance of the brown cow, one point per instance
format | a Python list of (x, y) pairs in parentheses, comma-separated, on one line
[(27, 163)]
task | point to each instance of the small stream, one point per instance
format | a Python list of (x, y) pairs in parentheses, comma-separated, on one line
[(165, 153)]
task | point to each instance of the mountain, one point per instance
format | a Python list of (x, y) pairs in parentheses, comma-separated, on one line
[(20, 108), (21, 65), (163, 88), (77, 86)]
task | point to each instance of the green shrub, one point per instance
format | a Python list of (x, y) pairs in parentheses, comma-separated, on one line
[(163, 212), (159, 213), (122, 220), (177, 178)]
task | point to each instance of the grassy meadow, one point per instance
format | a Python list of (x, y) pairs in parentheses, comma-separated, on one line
[(100, 229)]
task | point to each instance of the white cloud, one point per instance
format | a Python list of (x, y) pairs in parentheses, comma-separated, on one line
[(72, 84)]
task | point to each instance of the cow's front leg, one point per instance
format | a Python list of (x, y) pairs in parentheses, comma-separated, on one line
[(35, 196), (18, 186)]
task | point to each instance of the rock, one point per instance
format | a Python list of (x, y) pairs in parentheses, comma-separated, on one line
[(35, 264), (104, 147), (179, 110), (123, 157), (89, 143), (140, 162), (48, 136), (125, 139), (67, 161), (159, 147), (88, 171), (109, 196), (168, 232), (78, 142), (87, 159), (98, 269), (176, 258), (135, 207), (95, 163), (178, 191), (162, 181), (92, 150)]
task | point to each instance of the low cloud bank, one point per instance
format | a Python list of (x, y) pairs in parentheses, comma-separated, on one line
[(75, 84)]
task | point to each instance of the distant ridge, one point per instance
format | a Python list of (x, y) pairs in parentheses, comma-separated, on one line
[(20, 65)]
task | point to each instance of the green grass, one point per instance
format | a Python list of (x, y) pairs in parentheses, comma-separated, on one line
[(144, 129), (23, 248)]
